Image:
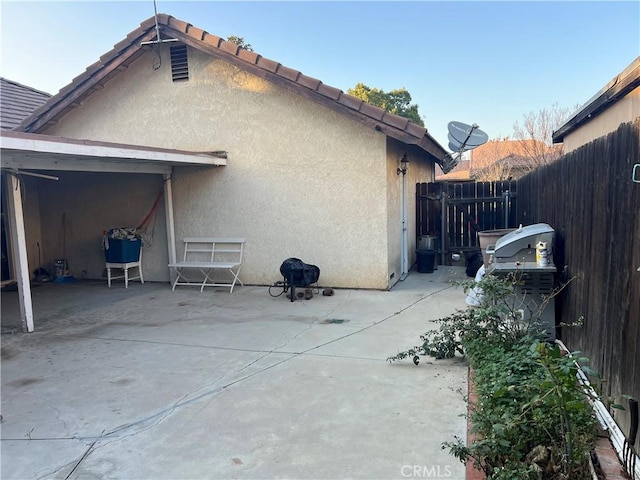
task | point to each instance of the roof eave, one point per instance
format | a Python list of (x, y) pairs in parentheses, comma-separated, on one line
[(130, 48), (620, 86), (22, 150)]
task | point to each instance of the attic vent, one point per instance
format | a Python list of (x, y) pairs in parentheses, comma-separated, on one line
[(179, 63)]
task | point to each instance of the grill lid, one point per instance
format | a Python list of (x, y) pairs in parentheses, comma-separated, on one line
[(524, 238)]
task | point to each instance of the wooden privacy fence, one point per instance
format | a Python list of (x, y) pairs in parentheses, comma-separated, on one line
[(589, 198), (456, 211)]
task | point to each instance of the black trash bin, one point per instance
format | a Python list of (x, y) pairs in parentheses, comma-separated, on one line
[(426, 260)]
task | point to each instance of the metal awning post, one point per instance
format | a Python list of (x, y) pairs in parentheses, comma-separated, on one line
[(171, 230)]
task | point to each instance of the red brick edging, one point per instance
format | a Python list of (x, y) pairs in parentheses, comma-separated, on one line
[(607, 457), (472, 472)]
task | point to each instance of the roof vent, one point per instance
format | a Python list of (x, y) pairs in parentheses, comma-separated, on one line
[(179, 63)]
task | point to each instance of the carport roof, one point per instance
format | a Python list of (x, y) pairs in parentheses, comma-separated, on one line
[(29, 151)]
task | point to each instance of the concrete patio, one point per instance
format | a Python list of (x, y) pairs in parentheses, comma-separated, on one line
[(146, 383)]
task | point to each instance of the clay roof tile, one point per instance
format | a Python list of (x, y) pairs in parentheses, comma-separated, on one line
[(372, 111), (248, 56), (267, 64), (331, 92), (210, 39), (177, 24), (395, 120), (309, 82), (288, 73), (229, 47), (350, 102), (196, 32)]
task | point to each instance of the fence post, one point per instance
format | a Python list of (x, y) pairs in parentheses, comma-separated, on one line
[(443, 223), (505, 200)]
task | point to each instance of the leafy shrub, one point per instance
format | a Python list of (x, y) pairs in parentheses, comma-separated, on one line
[(532, 419)]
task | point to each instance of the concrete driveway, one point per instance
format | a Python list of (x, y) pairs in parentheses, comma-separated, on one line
[(146, 383)]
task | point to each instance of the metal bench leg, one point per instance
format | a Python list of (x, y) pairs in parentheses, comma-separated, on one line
[(206, 277), (235, 279), (178, 277)]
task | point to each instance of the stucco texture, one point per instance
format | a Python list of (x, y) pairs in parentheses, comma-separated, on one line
[(77, 209), (301, 180), (624, 110)]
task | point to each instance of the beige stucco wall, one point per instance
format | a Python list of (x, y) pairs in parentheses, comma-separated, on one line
[(419, 169), (624, 110), (301, 180)]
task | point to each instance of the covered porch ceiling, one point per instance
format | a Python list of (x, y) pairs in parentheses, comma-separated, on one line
[(43, 155)]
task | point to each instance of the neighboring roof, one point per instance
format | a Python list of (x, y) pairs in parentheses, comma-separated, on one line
[(34, 151), (620, 86), (515, 161), (494, 150), (130, 49), (460, 172), (501, 154), (17, 102)]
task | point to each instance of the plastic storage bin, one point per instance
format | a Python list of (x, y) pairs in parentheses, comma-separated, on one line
[(122, 250), (425, 261)]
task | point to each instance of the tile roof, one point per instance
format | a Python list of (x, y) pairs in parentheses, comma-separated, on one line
[(129, 49), (494, 150), (17, 102), (460, 172)]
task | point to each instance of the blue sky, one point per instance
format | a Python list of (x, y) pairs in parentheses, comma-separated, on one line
[(480, 62)]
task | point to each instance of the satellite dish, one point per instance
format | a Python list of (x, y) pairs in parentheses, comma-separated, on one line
[(455, 146), (462, 137), (466, 135)]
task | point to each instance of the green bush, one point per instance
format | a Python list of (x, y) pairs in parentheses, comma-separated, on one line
[(531, 419)]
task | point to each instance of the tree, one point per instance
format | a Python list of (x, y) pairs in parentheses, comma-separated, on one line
[(240, 42), (530, 147), (396, 101), (539, 126)]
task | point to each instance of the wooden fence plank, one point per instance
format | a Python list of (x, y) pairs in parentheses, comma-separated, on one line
[(590, 200)]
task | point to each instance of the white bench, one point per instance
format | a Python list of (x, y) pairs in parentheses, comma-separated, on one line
[(206, 255)]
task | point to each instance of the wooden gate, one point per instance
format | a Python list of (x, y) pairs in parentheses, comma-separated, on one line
[(461, 210)]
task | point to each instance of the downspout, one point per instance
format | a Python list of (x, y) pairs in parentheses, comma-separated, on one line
[(404, 240)]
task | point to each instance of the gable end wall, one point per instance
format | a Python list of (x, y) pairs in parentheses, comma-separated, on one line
[(301, 180)]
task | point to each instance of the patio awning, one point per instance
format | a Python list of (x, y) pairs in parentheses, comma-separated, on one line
[(29, 153)]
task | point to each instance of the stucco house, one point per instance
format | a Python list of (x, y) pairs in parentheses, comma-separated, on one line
[(617, 102), (238, 144)]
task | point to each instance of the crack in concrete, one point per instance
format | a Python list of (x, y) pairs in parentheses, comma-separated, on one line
[(59, 417), (155, 419), (376, 322)]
